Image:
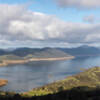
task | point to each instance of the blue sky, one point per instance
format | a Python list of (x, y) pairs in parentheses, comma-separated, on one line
[(54, 23), (51, 8)]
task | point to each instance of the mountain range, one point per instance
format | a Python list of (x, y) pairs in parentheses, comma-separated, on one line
[(50, 52), (26, 55), (82, 51)]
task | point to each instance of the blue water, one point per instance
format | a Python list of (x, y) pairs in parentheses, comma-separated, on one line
[(23, 78)]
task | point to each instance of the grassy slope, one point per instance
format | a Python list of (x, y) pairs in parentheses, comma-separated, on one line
[(83, 86), (89, 78)]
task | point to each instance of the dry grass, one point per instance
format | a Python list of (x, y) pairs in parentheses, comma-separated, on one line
[(89, 78)]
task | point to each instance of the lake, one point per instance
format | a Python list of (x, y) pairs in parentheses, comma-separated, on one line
[(23, 78)]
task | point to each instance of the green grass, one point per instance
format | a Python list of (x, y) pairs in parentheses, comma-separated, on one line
[(89, 78)]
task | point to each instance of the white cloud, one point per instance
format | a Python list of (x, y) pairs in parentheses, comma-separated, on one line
[(89, 18), (20, 26), (83, 4)]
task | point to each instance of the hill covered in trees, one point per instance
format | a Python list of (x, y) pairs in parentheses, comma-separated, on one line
[(51, 52), (38, 53), (25, 55)]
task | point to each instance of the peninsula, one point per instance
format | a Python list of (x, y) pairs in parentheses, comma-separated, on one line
[(10, 62), (23, 55)]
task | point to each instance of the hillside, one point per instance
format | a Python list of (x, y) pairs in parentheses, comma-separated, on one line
[(83, 86), (41, 53), (25, 55), (89, 78), (82, 51), (52, 52), (49, 53)]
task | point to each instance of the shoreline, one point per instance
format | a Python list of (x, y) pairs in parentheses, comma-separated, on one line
[(3, 82), (85, 83), (11, 62), (82, 79)]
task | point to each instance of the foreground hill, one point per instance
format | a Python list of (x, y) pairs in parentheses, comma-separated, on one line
[(83, 86), (88, 78)]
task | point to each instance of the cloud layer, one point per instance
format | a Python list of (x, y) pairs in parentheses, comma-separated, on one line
[(79, 4), (22, 27), (91, 19)]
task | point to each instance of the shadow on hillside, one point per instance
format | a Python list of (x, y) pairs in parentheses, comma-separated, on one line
[(78, 93)]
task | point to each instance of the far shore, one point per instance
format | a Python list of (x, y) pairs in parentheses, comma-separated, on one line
[(11, 62)]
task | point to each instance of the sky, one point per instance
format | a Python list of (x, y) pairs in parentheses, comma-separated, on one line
[(49, 23)]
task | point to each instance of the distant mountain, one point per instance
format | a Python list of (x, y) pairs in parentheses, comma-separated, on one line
[(51, 52), (25, 53), (39, 53), (82, 51), (2, 52)]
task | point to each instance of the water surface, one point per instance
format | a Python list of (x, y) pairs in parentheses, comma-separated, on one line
[(25, 77)]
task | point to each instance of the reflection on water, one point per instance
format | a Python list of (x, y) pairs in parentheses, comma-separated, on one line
[(25, 77)]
